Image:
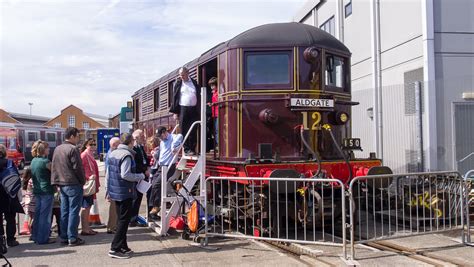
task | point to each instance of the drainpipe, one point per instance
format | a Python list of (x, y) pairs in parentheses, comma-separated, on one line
[(419, 126), (377, 76), (340, 20), (430, 134), (315, 17)]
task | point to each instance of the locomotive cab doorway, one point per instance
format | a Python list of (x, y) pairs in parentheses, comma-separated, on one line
[(206, 72)]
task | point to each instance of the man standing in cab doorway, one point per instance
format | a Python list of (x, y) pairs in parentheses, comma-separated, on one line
[(185, 106)]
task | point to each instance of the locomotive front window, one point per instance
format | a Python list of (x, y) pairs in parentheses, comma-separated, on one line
[(267, 69), (334, 71)]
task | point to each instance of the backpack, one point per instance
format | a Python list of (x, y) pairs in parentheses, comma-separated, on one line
[(10, 179)]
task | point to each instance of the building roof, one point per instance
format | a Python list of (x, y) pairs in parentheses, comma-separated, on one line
[(29, 117)]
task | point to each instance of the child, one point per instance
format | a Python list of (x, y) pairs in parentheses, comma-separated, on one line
[(28, 198), (215, 108)]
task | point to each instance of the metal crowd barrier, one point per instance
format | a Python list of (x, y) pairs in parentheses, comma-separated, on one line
[(469, 208), (391, 206), (296, 210)]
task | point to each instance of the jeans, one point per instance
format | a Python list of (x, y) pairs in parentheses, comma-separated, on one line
[(71, 200), (42, 220), (124, 213), (216, 131)]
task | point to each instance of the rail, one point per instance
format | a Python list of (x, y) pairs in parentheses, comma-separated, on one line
[(396, 205), (296, 210)]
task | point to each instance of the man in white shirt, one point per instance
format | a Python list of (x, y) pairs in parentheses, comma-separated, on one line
[(185, 106)]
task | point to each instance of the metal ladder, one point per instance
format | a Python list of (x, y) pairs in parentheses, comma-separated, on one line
[(197, 174)]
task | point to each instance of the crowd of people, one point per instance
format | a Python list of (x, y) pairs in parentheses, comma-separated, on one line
[(61, 187)]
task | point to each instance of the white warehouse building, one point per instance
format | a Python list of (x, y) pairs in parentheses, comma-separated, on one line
[(412, 71)]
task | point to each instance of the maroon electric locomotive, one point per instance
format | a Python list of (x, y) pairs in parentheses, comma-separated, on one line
[(284, 105)]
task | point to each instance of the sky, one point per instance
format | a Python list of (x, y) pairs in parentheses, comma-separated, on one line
[(96, 53)]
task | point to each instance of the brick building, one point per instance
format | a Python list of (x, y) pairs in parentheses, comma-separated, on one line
[(5, 117), (75, 117)]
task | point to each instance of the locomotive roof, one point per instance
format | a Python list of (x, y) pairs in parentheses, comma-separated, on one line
[(268, 35), (286, 34)]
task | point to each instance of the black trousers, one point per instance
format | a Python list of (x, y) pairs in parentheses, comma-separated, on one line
[(136, 203), (155, 196), (187, 116), (124, 213), (11, 225)]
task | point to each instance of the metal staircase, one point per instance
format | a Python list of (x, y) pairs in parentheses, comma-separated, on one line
[(196, 174)]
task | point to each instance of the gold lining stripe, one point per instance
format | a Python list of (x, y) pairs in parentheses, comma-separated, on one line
[(294, 69)]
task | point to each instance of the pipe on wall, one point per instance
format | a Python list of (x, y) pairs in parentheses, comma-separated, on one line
[(377, 76), (430, 130)]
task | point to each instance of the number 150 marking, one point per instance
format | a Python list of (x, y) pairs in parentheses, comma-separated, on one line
[(316, 117)]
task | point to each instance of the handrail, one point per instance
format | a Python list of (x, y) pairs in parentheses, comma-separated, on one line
[(175, 127), (175, 157), (466, 157)]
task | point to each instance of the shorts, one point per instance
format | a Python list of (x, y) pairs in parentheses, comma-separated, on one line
[(87, 202)]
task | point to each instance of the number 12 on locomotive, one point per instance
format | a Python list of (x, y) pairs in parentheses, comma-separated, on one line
[(311, 120)]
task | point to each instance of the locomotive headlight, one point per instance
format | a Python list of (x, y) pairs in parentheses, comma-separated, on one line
[(340, 118), (343, 117)]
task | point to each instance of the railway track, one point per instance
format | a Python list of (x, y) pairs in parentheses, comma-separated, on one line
[(314, 257), (419, 255)]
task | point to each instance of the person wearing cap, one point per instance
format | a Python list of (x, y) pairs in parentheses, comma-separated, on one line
[(122, 178), (169, 146)]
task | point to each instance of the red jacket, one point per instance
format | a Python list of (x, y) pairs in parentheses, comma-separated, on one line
[(90, 168), (215, 107)]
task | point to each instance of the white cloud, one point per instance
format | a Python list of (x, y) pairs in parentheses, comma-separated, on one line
[(96, 54)]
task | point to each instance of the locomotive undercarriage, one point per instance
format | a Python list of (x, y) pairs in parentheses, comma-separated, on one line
[(259, 210)]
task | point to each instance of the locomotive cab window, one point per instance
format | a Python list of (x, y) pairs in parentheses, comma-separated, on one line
[(335, 71), (268, 70)]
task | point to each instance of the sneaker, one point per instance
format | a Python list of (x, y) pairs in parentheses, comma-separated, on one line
[(76, 242), (118, 255), (155, 210), (64, 242), (111, 231), (12, 243), (154, 217), (126, 251)]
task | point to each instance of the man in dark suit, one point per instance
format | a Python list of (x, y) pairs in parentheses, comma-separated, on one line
[(185, 106), (141, 166)]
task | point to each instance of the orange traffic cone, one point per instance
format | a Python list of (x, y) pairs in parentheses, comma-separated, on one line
[(26, 227), (94, 217)]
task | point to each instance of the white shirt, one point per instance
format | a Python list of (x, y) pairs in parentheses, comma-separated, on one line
[(188, 94)]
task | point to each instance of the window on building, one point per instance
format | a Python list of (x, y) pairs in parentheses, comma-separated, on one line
[(50, 137), (334, 71), (348, 9), (329, 26), (267, 68), (86, 125), (57, 125), (156, 99), (33, 136), (72, 121)]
